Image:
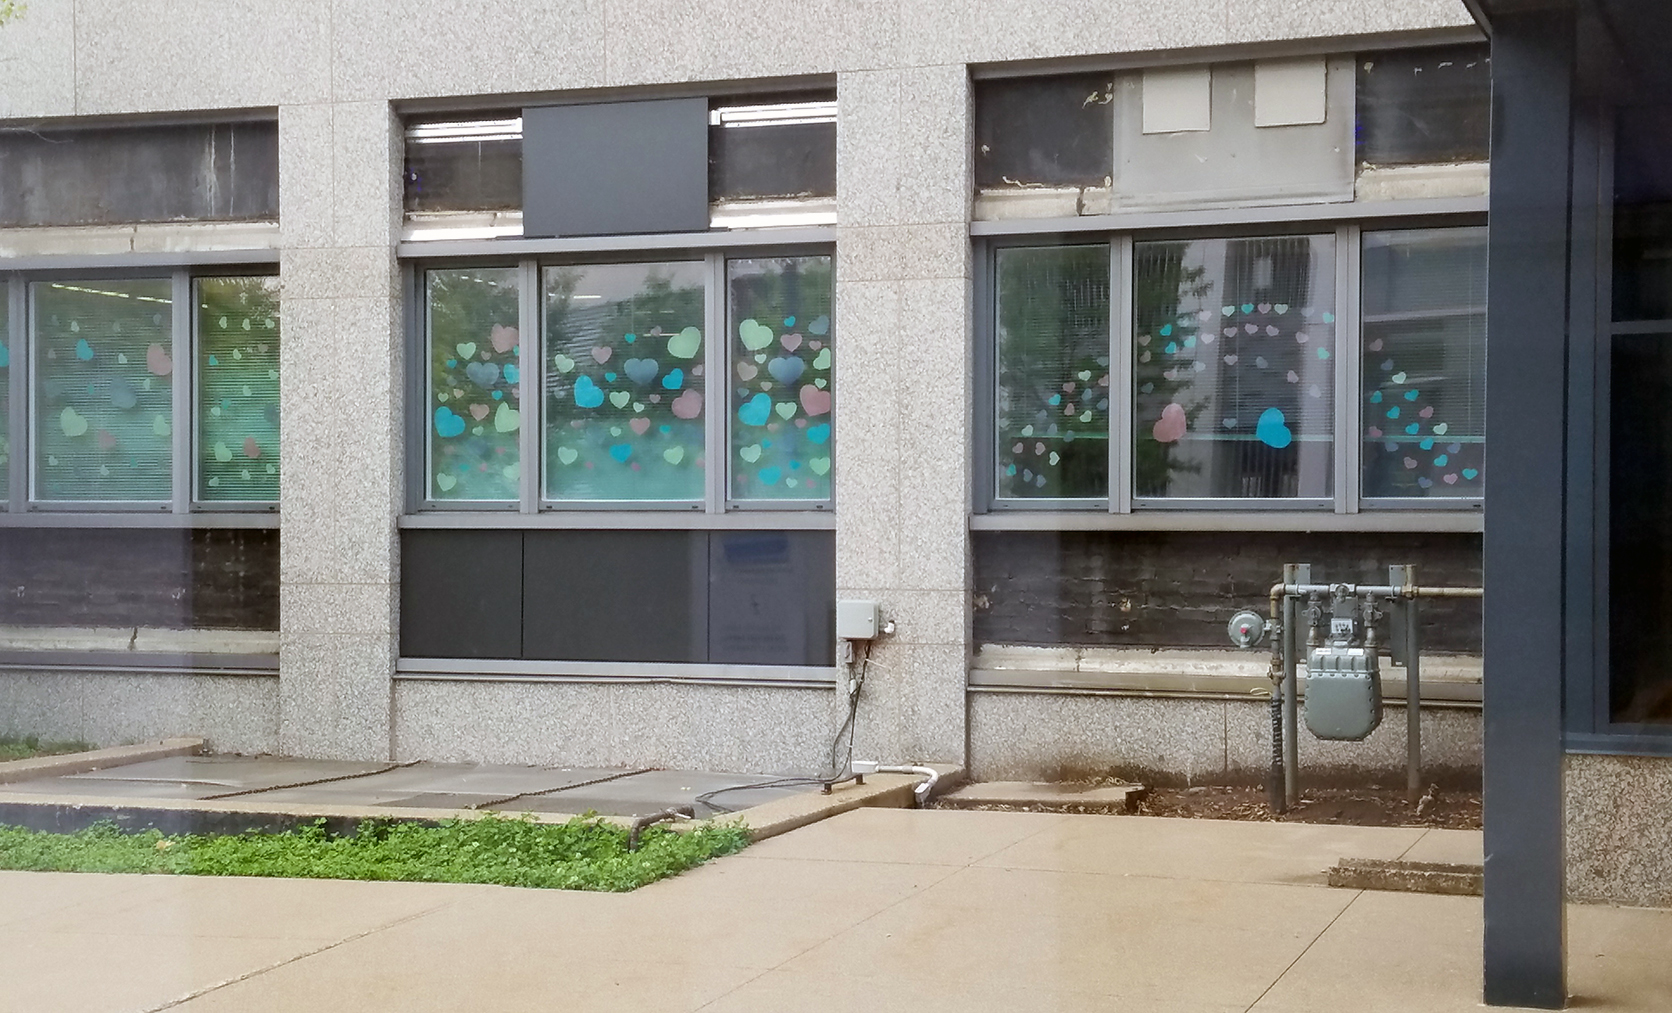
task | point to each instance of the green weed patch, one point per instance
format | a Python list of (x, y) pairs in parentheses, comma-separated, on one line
[(31, 746), (582, 854)]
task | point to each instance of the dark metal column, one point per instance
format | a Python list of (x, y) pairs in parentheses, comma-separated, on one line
[(1527, 312)]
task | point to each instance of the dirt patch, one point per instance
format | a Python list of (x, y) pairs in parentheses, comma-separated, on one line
[(1365, 807)]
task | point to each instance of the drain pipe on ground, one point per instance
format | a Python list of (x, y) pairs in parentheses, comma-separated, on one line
[(920, 793)]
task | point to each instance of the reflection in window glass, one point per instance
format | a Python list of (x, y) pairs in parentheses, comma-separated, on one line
[(1424, 374), (1053, 372), (103, 394), (778, 319), (1044, 131), (1643, 212), (1234, 372), (238, 389), (1424, 105), (1640, 529), (5, 403), (474, 407), (624, 348)]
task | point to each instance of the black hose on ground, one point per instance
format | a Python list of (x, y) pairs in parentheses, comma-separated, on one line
[(1274, 783)]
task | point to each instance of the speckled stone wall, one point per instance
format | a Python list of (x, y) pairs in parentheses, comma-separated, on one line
[(1619, 829), (235, 713)]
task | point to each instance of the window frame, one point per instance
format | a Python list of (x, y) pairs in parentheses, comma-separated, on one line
[(1346, 509), (717, 508), (20, 507)]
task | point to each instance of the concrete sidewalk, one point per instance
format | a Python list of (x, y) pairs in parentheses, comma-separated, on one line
[(875, 910)]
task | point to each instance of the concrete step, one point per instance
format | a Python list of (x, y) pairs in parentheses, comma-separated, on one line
[(1045, 796)]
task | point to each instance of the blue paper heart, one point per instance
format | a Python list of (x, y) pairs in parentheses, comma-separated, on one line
[(1390, 445), (610, 377), (123, 394), (819, 433), (1412, 395), (1056, 399), (1271, 429), (1248, 307), (512, 374), (1452, 448), (789, 321), (1393, 412), (1172, 347), (1323, 353), (755, 411), (450, 362), (5, 357), (1470, 473), (674, 380), (482, 374), (499, 395), (83, 350), (1376, 398), (1190, 342), (216, 362), (820, 325), (1412, 428), (447, 423), (1425, 482), (629, 338), (1441, 461), (770, 476), (1166, 329), (587, 393), (1427, 443), (641, 371), (786, 369), (622, 451)]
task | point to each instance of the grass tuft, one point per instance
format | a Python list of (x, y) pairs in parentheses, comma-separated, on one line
[(582, 854), (30, 746)]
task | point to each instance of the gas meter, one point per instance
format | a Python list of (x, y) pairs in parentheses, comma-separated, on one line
[(1343, 676)]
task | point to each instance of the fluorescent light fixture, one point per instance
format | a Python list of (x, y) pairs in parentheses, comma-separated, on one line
[(465, 131), (781, 114)]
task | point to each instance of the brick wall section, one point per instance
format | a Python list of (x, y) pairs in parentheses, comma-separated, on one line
[(1179, 589)]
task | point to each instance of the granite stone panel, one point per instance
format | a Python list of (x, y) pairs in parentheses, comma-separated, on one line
[(235, 713), (1043, 737), (37, 54), (1451, 748), (1619, 829)]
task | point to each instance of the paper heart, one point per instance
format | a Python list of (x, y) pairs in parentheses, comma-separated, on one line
[(1373, 433), (567, 455), (83, 350), (1171, 426), (1413, 428), (821, 383), (1291, 377), (1227, 310), (466, 349), (819, 465), (252, 449), (1280, 308), (754, 334), (161, 427), (751, 453), (1208, 337), (1302, 337), (619, 398), (747, 371), (512, 471), (761, 357), (755, 411), (673, 381), (482, 374), (1084, 375), (1375, 346), (506, 419), (1314, 391), (771, 475), (639, 426), (445, 482), (1442, 460), (1272, 331), (1399, 377), (1424, 482), (673, 455), (1054, 458), (785, 409), (621, 452), (1143, 339), (157, 361), (1428, 413), (820, 325), (822, 360), (71, 422), (587, 393), (1260, 361), (684, 345), (1409, 462), (790, 342), (479, 411), (601, 354), (1264, 307), (1470, 473), (1228, 423), (1230, 360), (503, 338), (105, 439), (1449, 479), (641, 371), (223, 453), (563, 363), (122, 394), (1250, 328), (1272, 429), (819, 433), (687, 405), (786, 369), (1441, 427), (121, 358), (1230, 332)]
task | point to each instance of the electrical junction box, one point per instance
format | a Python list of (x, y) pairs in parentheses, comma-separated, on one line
[(1343, 692), (856, 620)]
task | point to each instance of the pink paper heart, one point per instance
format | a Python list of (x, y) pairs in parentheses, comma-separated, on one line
[(1271, 331), (790, 341), (157, 361), (601, 354), (1264, 307), (1208, 337), (1230, 332), (1171, 426), (696, 370), (252, 449), (655, 399), (106, 440), (1449, 479), (479, 411), (746, 370), (1204, 315), (1410, 462), (1103, 381), (1038, 449), (1376, 346), (1251, 328), (503, 338), (814, 401), (1375, 433), (1301, 336), (1016, 448), (1291, 377), (1230, 360), (815, 345), (1427, 412), (1143, 339), (639, 425), (1068, 388), (687, 405)]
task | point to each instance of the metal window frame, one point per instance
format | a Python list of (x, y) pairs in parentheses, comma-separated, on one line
[(717, 508), (182, 509), (1121, 509)]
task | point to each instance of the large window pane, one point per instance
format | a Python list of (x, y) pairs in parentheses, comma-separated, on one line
[(1639, 532), (464, 165), (1235, 365), (624, 366), (1643, 212), (1424, 105), (474, 409), (238, 389), (1053, 372), (5, 403), (778, 319), (104, 403), (1045, 131), (1424, 374)]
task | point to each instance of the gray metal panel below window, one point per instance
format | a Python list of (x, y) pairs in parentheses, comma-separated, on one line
[(462, 594), (615, 168), (615, 596)]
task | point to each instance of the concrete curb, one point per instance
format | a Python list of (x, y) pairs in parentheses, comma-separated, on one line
[(885, 791), (95, 759), (1407, 877), (1045, 797)]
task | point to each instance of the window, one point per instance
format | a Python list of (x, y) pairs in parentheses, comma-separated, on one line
[(1045, 131), (115, 421), (1424, 106), (1242, 375), (629, 380), (133, 174)]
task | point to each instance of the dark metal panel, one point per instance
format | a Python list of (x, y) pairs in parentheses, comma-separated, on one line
[(1524, 946), (615, 168), (772, 597), (615, 596), (461, 594)]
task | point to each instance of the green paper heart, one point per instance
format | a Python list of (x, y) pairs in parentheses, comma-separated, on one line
[(673, 455), (821, 383), (751, 453), (638, 406), (214, 482), (512, 471), (615, 430), (563, 363), (619, 398), (222, 454), (71, 422), (1054, 458), (121, 358), (784, 409), (1085, 416), (478, 431), (1084, 374), (822, 360), (1398, 378), (244, 474), (820, 465), (272, 374), (684, 345), (215, 411), (1441, 428), (465, 349), (445, 482), (754, 334), (272, 469), (567, 455), (506, 419), (160, 426)]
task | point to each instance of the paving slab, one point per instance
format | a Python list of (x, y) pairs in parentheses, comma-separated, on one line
[(1457, 847), (482, 781), (652, 791), (1045, 796), (94, 759), (192, 776)]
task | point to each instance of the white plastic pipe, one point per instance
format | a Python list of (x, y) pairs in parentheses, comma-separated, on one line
[(921, 792)]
